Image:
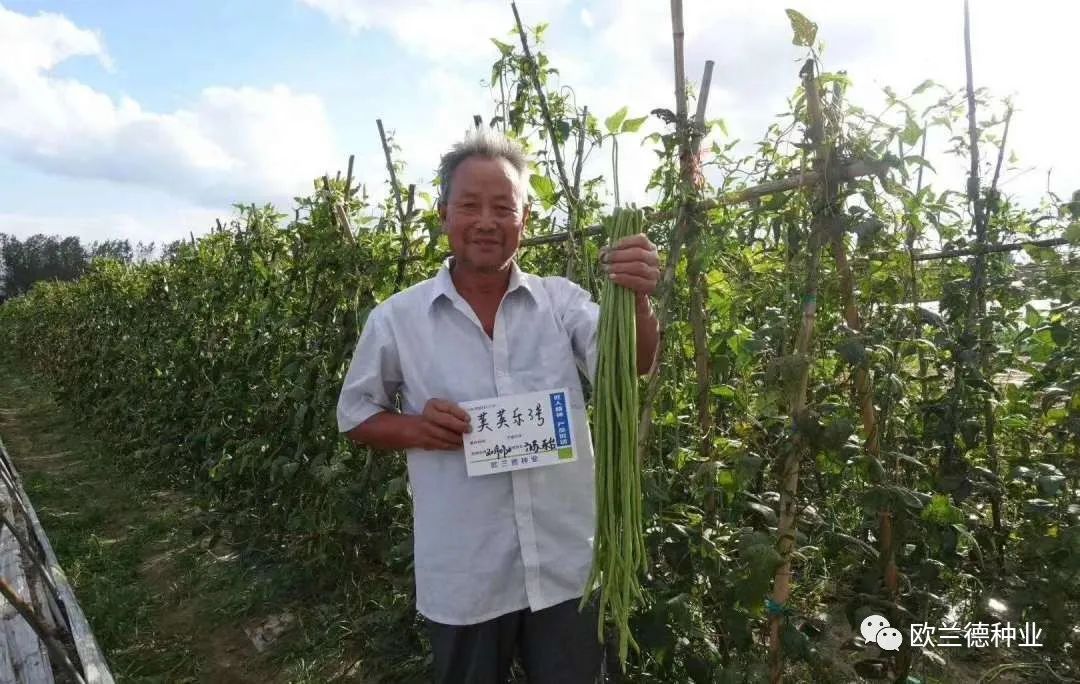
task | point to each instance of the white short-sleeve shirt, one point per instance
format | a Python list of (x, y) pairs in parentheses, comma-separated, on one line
[(485, 546)]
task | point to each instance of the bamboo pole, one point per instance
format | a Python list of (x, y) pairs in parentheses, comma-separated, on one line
[(394, 187), (989, 420), (349, 176), (913, 294), (863, 391), (674, 250), (399, 280), (574, 213), (863, 385), (691, 188), (703, 98), (678, 35), (57, 654), (974, 195), (789, 468), (549, 125), (30, 553), (89, 652), (545, 111), (403, 215), (991, 249), (579, 158)]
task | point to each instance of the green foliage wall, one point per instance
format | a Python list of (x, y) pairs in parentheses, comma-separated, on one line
[(222, 364)]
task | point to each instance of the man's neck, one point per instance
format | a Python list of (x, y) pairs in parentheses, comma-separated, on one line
[(472, 283)]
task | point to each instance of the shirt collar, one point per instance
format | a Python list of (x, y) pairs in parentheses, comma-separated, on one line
[(444, 283)]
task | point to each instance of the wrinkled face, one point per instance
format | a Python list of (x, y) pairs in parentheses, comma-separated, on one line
[(484, 216)]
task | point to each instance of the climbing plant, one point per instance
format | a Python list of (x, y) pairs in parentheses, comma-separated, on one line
[(842, 422)]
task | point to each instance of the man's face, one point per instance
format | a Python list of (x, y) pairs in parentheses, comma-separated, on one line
[(485, 215)]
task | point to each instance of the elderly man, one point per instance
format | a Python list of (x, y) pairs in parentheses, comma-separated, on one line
[(501, 560)]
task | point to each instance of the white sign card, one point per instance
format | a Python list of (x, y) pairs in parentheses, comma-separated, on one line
[(519, 431)]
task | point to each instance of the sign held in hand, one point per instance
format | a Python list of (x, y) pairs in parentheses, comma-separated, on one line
[(519, 431)]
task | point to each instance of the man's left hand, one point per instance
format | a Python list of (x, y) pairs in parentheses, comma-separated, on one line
[(633, 263)]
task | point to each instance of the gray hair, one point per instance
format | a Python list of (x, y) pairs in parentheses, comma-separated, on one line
[(482, 142)]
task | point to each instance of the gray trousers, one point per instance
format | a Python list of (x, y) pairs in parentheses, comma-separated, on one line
[(556, 645)]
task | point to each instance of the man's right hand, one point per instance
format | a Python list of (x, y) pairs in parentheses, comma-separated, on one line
[(441, 425)]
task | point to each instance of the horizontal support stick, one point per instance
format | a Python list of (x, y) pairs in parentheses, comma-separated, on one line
[(844, 172), (560, 237), (990, 249)]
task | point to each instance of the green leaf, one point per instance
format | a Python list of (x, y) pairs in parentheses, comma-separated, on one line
[(761, 562), (921, 161), (726, 480), (764, 511), (1050, 485), (923, 86), (544, 189), (1072, 233), (1038, 507), (1060, 334), (941, 511), (852, 351), (504, 48), (805, 31), (911, 133), (632, 125), (613, 122), (1032, 316), (724, 392)]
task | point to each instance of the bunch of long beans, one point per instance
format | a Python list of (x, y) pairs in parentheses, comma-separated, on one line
[(618, 547)]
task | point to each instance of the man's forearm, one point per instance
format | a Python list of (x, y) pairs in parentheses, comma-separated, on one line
[(386, 431), (648, 333)]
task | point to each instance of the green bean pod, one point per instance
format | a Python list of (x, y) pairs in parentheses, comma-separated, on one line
[(619, 545)]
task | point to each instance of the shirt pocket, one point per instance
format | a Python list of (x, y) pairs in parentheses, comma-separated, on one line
[(545, 360)]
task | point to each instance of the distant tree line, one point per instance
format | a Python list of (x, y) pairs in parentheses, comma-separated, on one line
[(51, 257)]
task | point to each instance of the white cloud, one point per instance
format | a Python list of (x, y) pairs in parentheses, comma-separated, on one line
[(243, 144), (624, 57), (44, 41), (878, 44), (453, 30), (146, 227), (229, 144)]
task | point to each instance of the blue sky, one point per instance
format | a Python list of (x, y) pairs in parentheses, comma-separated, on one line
[(145, 120)]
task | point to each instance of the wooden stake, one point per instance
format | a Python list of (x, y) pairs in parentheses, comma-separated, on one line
[(348, 177), (57, 654), (986, 332), (675, 245), (691, 187), (549, 125), (404, 216), (394, 187), (86, 646), (991, 249), (545, 111), (574, 215), (703, 98), (400, 279), (789, 468)]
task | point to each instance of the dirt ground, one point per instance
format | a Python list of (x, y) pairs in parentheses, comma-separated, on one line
[(129, 553)]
